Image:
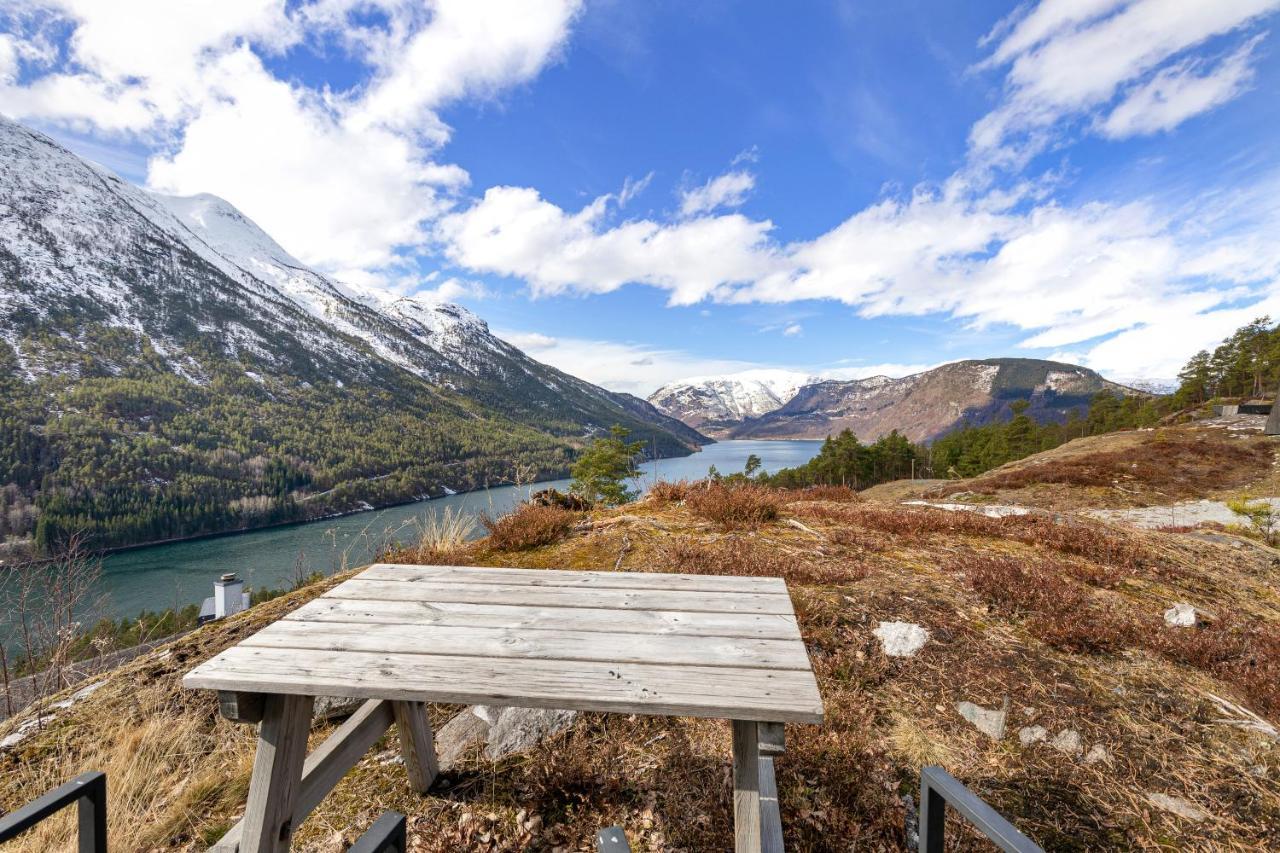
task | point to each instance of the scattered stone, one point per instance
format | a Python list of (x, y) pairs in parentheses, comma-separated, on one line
[(1028, 712), (1032, 734), (1097, 753), (988, 721), (1179, 806), (901, 639), (1181, 615), (1068, 741)]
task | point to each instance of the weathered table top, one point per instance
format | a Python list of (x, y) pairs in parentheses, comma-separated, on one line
[(645, 643)]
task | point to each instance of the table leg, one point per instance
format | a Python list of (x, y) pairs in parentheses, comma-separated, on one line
[(277, 774), (417, 745), (746, 786)]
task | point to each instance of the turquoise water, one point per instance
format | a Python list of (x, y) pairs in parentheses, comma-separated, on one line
[(174, 575)]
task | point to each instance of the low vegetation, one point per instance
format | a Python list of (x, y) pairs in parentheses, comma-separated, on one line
[(1053, 618), (528, 526), (744, 506)]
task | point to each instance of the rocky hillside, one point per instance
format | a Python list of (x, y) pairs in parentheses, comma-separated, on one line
[(1104, 687), (233, 385), (921, 406)]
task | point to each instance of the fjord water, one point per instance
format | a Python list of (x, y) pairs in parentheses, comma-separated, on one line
[(181, 573)]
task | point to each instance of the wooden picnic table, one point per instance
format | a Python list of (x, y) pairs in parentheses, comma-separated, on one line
[(400, 636)]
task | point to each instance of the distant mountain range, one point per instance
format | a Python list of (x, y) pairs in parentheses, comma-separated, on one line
[(921, 406), (167, 369)]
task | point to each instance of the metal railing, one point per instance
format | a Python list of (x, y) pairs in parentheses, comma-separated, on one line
[(938, 789), (89, 790), (387, 835)]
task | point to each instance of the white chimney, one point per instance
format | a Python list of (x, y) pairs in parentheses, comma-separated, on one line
[(228, 596)]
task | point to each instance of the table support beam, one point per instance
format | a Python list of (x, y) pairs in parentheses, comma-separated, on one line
[(277, 774), (417, 745), (746, 786), (331, 760)]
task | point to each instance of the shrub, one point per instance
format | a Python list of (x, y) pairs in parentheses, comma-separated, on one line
[(528, 526), (667, 492), (838, 494), (735, 507), (1243, 652), (1058, 612)]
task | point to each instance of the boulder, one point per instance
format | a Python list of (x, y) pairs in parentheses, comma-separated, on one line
[(503, 731), (1181, 615), (1068, 741), (330, 708), (1178, 805), (1032, 734)]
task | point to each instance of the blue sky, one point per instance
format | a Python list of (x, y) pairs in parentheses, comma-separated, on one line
[(636, 192)]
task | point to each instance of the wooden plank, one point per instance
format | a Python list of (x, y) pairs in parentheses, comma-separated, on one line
[(776, 626), (330, 761), (616, 599), (241, 707), (770, 814), (533, 644), (277, 774), (576, 579), (716, 692), (746, 787), (417, 747)]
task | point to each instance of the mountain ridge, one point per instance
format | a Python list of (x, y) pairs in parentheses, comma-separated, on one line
[(921, 406), (167, 370)]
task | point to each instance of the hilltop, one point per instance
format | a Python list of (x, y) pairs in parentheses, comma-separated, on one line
[(921, 406), (1117, 729)]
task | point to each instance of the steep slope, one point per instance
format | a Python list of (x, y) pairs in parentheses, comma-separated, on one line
[(926, 405), (717, 404), (167, 369)]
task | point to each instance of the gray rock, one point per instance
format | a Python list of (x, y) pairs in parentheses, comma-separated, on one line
[(1068, 741), (901, 639), (988, 721), (503, 731), (520, 729), (1181, 615), (334, 707), (1097, 753), (455, 736), (1032, 734), (1179, 806)]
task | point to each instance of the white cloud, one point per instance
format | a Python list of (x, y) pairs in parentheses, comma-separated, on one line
[(513, 231), (727, 190), (1066, 58), (633, 368), (793, 330), (1179, 92), (344, 180)]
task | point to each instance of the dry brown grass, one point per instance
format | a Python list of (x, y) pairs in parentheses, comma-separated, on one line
[(834, 494), (1143, 696), (528, 526), (669, 492), (743, 506), (1170, 464)]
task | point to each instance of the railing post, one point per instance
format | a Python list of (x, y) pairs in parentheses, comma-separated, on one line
[(933, 816), (387, 835), (93, 815)]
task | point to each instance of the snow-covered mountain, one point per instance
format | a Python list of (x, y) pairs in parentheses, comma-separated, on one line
[(102, 281), (715, 404), (921, 406)]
